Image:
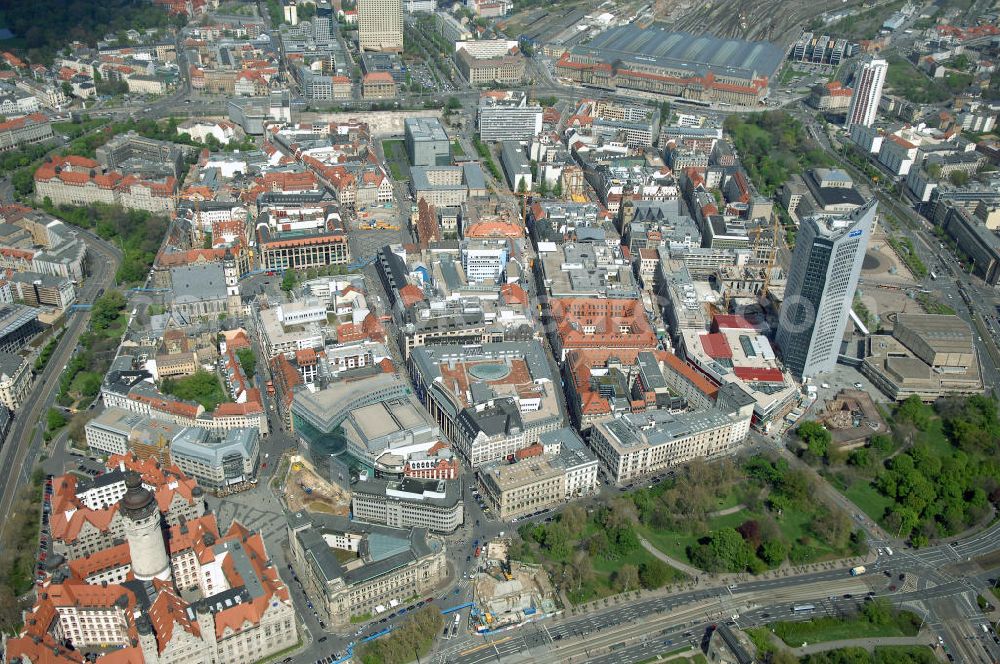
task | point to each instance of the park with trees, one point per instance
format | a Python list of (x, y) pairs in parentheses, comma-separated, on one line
[(935, 476), (728, 516)]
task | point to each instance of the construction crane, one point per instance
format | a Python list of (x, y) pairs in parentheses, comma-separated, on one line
[(772, 257), (524, 196)]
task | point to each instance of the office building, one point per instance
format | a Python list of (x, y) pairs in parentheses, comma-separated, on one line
[(484, 260), (217, 461), (820, 290), (380, 25), (427, 143), (409, 503), (18, 324), (353, 569), (507, 116), (557, 468), (639, 444), (868, 80), (25, 130)]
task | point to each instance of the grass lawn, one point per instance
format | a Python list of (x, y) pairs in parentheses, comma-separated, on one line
[(820, 630), (794, 525), (116, 329), (935, 439), (456, 149), (675, 544), (602, 585), (864, 495), (203, 387), (395, 157)]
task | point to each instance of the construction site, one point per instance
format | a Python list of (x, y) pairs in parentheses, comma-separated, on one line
[(303, 488), (510, 593)]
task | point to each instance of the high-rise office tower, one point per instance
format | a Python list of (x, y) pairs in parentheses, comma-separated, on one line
[(380, 25), (868, 80), (820, 290)]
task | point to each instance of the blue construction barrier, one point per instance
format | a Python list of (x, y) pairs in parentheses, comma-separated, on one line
[(377, 635), (453, 609)]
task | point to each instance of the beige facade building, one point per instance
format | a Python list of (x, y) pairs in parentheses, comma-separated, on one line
[(562, 468), (351, 569), (506, 69), (378, 85), (639, 444), (15, 380), (380, 25)]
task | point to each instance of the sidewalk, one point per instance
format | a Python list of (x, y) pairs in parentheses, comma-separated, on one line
[(867, 644), (684, 567)]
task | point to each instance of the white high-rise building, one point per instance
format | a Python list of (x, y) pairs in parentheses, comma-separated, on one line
[(821, 282), (868, 80), (380, 25)]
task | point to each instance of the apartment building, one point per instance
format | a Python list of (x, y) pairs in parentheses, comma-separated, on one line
[(15, 380)]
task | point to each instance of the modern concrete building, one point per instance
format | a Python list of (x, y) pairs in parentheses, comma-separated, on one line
[(507, 116), (373, 423), (217, 462), (516, 165), (353, 569), (427, 142), (409, 503), (824, 274), (926, 355), (869, 78), (484, 260), (380, 25)]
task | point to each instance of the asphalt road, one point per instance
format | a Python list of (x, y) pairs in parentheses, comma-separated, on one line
[(15, 460)]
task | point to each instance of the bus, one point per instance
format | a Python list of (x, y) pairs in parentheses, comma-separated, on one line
[(803, 608)]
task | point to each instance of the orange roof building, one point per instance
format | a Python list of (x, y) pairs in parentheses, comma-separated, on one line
[(601, 323)]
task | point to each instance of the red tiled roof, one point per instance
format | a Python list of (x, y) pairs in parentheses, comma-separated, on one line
[(763, 374), (716, 345)]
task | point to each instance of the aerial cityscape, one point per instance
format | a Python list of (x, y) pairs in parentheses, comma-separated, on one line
[(392, 331)]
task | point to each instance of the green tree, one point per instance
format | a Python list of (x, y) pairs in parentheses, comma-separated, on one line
[(958, 178), (626, 578), (915, 411), (773, 552), (816, 437), (288, 281), (248, 361), (574, 518), (55, 419), (654, 574)]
